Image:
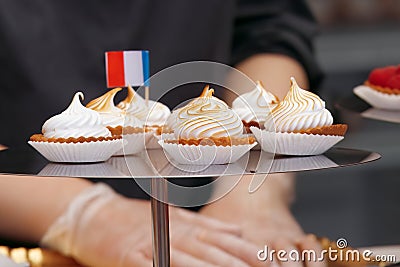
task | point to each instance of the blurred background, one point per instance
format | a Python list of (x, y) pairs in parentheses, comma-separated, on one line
[(359, 203)]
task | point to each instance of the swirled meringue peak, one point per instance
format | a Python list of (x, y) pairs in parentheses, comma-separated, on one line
[(75, 121), (158, 114), (110, 114), (207, 116), (300, 110), (255, 105), (155, 113)]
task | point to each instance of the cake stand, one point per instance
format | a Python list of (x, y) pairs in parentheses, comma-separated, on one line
[(28, 162), (355, 105)]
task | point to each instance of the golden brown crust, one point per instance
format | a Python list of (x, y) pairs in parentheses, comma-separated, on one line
[(385, 90), (119, 130), (42, 138), (158, 130), (335, 129), (222, 141)]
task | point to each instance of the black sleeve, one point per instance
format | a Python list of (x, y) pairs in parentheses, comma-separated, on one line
[(276, 26)]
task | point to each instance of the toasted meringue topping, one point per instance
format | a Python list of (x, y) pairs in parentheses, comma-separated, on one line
[(75, 121), (110, 114), (155, 113), (255, 105), (207, 116), (300, 110)]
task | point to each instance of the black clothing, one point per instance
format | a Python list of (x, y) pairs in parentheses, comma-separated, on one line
[(51, 49)]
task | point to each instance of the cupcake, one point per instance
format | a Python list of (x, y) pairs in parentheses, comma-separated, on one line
[(75, 135), (382, 89), (254, 107), (301, 125), (120, 122), (207, 132)]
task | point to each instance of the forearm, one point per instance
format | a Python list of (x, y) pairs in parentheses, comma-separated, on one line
[(274, 71), (276, 192), (29, 205)]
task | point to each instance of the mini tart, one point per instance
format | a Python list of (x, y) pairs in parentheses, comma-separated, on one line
[(208, 132), (382, 88), (301, 126), (75, 135), (253, 107), (135, 105)]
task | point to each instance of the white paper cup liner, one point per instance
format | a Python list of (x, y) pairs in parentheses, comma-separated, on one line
[(377, 99), (133, 143), (295, 144), (204, 155), (77, 152)]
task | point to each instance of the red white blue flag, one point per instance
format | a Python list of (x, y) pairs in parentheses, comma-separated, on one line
[(125, 68)]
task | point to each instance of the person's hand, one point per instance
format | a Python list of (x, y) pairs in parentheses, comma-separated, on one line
[(102, 229), (268, 222)]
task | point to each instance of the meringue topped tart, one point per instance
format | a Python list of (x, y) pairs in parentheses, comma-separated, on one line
[(254, 107), (75, 124), (300, 125), (382, 88), (302, 111), (385, 80), (114, 118), (155, 114), (208, 120), (76, 135)]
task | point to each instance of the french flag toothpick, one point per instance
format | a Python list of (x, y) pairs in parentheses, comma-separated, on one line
[(125, 68)]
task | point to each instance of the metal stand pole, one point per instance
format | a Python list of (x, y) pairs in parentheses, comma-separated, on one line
[(160, 219)]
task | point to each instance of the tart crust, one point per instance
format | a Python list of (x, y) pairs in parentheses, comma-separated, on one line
[(119, 130), (212, 141), (335, 129), (81, 139), (385, 90)]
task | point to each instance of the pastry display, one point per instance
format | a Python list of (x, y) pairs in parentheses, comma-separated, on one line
[(121, 122), (300, 125), (382, 88), (207, 132), (254, 107), (76, 135)]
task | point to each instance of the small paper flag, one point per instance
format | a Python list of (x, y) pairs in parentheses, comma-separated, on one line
[(125, 68)]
